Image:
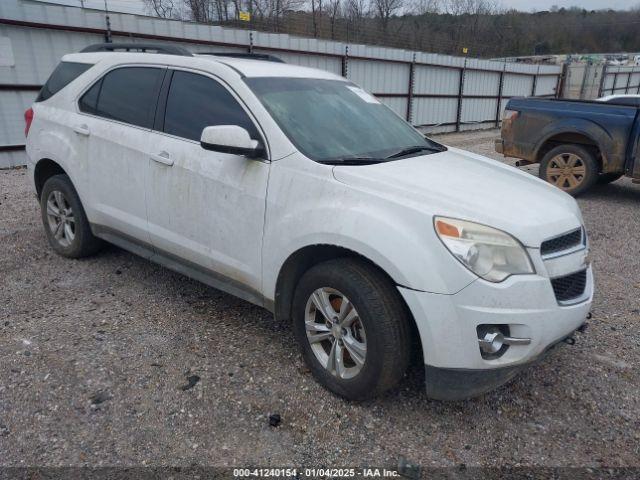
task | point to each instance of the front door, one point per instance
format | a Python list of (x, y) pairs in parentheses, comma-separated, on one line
[(205, 209)]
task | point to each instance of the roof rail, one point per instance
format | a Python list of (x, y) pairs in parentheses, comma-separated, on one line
[(249, 56), (138, 47)]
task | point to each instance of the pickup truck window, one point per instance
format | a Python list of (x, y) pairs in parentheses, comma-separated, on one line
[(333, 120), (196, 102), (128, 95)]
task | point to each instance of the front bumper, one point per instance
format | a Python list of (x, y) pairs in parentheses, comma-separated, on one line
[(451, 384), (526, 303)]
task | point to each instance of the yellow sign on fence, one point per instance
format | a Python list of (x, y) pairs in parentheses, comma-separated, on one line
[(465, 50), (244, 16)]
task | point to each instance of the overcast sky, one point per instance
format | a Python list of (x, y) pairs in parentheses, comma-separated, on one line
[(136, 6)]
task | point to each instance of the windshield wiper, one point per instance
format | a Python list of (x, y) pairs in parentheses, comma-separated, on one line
[(415, 149), (352, 160)]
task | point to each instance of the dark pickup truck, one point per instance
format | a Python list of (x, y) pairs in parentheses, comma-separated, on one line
[(577, 143)]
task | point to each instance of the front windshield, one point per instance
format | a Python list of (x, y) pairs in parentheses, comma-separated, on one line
[(331, 120)]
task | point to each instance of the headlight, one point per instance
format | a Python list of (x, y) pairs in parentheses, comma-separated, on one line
[(489, 253)]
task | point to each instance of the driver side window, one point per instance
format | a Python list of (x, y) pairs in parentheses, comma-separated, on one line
[(195, 102)]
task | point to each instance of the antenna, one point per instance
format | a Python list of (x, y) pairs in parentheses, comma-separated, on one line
[(107, 35)]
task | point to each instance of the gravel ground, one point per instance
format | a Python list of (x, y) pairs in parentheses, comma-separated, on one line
[(96, 356)]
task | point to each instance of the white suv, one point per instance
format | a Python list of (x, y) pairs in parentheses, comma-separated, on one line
[(298, 191)]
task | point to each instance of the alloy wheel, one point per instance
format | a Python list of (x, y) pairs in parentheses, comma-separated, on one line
[(566, 171), (60, 218), (335, 332)]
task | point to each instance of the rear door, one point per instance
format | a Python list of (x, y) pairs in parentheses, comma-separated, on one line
[(205, 209), (116, 120)]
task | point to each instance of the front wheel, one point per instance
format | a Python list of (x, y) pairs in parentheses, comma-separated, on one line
[(570, 167), (353, 328)]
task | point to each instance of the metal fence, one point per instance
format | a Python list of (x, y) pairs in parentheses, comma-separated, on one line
[(620, 80), (436, 93)]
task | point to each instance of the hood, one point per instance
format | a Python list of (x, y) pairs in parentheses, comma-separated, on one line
[(462, 185)]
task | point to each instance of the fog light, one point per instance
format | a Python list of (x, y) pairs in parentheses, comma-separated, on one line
[(494, 340)]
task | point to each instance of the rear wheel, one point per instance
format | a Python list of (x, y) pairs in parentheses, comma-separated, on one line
[(64, 220), (569, 167), (352, 327)]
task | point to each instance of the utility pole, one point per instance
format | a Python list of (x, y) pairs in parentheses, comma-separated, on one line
[(107, 35)]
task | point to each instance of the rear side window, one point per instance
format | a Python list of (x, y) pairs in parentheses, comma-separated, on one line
[(63, 75), (127, 95), (196, 102)]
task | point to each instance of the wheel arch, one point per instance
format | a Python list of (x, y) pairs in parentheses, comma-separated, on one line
[(44, 169), (581, 133), (305, 258)]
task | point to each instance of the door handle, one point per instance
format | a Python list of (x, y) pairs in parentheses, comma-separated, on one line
[(162, 157), (82, 130)]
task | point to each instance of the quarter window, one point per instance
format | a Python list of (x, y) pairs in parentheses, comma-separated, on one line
[(196, 102), (127, 95), (63, 75)]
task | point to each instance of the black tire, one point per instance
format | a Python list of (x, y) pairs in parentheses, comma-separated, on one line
[(569, 180), (383, 316), (83, 243), (605, 178)]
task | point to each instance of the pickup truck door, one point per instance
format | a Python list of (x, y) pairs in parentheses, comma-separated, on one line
[(205, 209)]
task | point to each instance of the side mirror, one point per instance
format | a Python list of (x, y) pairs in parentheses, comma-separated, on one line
[(230, 139)]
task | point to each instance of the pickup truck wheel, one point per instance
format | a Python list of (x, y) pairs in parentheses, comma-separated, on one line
[(65, 222), (605, 178), (352, 327), (569, 167)]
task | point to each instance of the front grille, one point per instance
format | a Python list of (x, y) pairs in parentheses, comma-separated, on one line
[(569, 287), (563, 242)]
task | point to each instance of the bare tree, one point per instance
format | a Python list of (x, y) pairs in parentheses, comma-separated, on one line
[(334, 8), (162, 8), (385, 9), (422, 7), (316, 15), (356, 12)]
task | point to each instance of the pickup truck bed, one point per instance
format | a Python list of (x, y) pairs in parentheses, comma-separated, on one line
[(602, 136)]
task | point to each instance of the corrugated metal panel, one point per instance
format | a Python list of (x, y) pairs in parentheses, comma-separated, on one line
[(517, 85), (330, 64), (478, 109), (430, 111), (546, 85), (436, 80), (14, 105), (481, 83), (379, 77), (12, 159), (398, 105)]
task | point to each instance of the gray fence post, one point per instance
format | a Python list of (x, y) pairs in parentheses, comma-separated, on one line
[(460, 94), (412, 67), (499, 102), (562, 80), (602, 80), (345, 62)]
